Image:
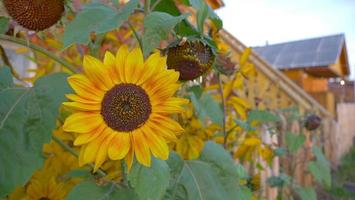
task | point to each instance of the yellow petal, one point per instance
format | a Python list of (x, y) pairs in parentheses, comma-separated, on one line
[(150, 68), (77, 98), (119, 146), (81, 156), (88, 137), (163, 131), (141, 148), (82, 122), (167, 123), (156, 144), (83, 106), (95, 70), (134, 61), (109, 59), (93, 147), (110, 62), (102, 152), (121, 56), (85, 88), (130, 154)]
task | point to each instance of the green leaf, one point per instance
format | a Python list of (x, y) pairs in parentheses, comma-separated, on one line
[(207, 106), (294, 142), (157, 26), (279, 181), (150, 182), (320, 168), (4, 24), (27, 118), (262, 116), (245, 125), (281, 151), (81, 173), (228, 172), (306, 193), (88, 190), (6, 78), (197, 4), (98, 18), (202, 14), (215, 176)]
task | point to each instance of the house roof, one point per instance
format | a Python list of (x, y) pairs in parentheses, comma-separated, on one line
[(315, 52)]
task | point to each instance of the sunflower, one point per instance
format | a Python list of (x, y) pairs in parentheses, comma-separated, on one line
[(122, 108)]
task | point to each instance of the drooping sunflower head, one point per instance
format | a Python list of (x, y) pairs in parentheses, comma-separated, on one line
[(35, 14), (191, 59), (122, 108)]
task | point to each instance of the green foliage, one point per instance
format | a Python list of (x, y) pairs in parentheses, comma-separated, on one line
[(279, 181), (214, 176), (281, 151), (262, 116), (294, 142), (345, 171), (4, 24), (88, 190), (27, 118), (198, 4), (150, 182), (306, 193), (157, 26), (202, 14), (205, 105), (320, 168), (97, 18)]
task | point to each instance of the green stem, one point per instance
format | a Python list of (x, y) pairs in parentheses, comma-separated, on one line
[(220, 84), (39, 49), (146, 7), (124, 175), (136, 35), (155, 4)]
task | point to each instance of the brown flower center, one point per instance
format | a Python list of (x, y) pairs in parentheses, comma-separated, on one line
[(125, 107)]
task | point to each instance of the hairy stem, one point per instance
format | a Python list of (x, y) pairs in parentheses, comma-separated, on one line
[(39, 49)]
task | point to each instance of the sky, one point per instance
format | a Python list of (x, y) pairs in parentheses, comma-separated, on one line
[(255, 22)]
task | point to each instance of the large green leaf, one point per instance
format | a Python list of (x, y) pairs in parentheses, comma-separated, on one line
[(157, 26), (306, 193), (320, 168), (98, 18), (150, 182), (262, 116), (198, 4), (201, 16), (27, 118), (207, 106), (214, 176), (88, 190), (294, 142)]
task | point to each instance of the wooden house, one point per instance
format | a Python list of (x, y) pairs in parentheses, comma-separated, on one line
[(310, 64)]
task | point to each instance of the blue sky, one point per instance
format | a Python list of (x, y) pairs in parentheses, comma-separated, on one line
[(256, 21)]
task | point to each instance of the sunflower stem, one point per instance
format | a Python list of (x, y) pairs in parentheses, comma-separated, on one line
[(136, 35), (223, 110), (39, 49), (146, 7), (124, 175)]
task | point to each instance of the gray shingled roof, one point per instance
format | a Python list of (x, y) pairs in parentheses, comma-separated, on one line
[(315, 52)]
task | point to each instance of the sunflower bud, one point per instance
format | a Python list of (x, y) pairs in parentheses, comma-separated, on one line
[(312, 122), (225, 65), (191, 59), (35, 14)]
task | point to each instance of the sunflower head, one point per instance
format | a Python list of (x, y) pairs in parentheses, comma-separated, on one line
[(35, 14), (312, 122), (122, 108), (191, 59)]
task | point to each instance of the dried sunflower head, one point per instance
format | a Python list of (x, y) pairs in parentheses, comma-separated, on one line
[(191, 59), (312, 122), (35, 14)]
